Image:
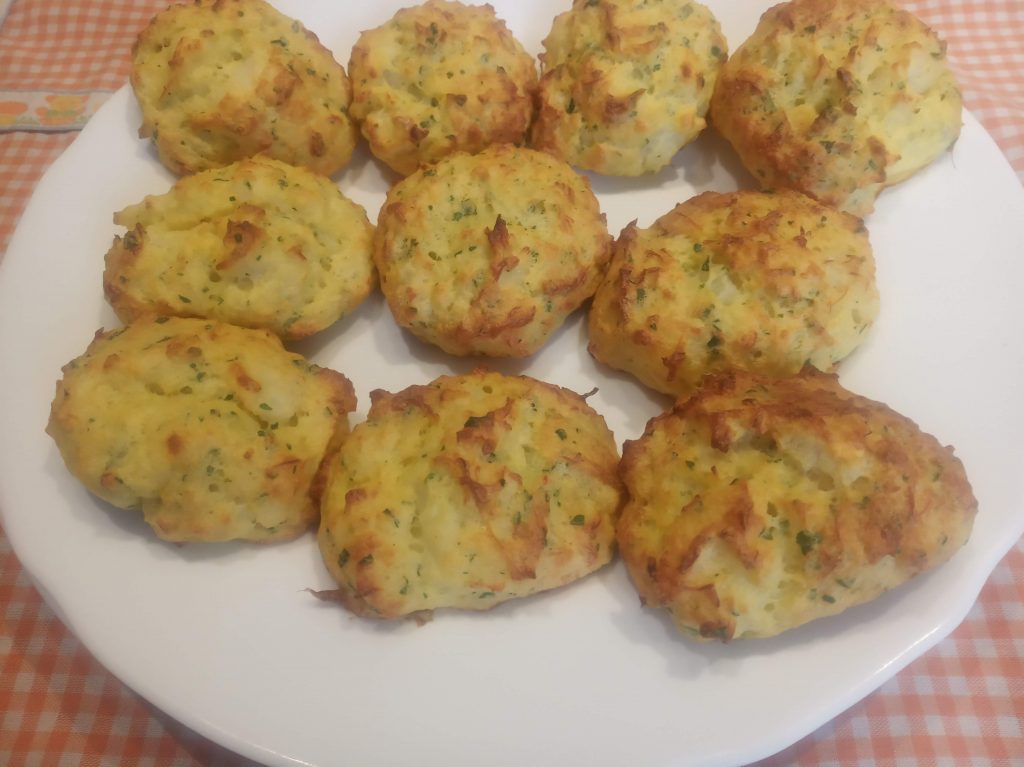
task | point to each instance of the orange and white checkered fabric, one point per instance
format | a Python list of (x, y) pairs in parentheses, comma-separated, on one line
[(961, 705), (985, 40)]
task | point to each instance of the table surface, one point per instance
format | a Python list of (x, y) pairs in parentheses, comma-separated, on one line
[(962, 703)]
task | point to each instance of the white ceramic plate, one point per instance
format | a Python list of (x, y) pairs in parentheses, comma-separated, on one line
[(226, 639)]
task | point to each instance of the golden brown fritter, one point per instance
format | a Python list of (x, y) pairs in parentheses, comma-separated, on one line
[(489, 253), (438, 78), (467, 492), (626, 83), (839, 99), (220, 80), (258, 243), (216, 432), (760, 504), (749, 280)]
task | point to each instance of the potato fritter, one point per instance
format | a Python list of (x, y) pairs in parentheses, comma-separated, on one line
[(626, 83), (467, 492), (220, 80), (439, 78), (760, 504), (839, 99), (258, 243), (489, 253), (749, 280), (216, 432)]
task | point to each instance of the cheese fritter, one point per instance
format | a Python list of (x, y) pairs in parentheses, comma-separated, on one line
[(220, 80), (626, 83), (467, 492), (760, 504), (489, 253), (257, 243), (438, 78), (839, 99), (216, 432), (749, 280)]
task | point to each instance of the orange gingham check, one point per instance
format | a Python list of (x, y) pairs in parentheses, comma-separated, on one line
[(960, 705)]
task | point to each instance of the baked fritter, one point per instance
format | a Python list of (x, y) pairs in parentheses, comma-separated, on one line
[(258, 243), (467, 492), (839, 99), (438, 78), (626, 83), (760, 504), (749, 280), (220, 80), (216, 432), (489, 253)]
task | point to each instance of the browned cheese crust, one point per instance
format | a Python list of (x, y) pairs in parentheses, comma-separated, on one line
[(215, 432), (746, 280), (257, 243), (626, 83), (839, 99), (438, 78), (467, 492), (220, 80), (489, 253), (760, 504)]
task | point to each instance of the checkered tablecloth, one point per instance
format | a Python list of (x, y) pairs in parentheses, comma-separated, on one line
[(960, 705)]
